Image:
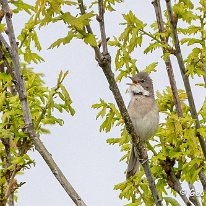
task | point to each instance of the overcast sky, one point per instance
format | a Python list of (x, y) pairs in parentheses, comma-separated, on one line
[(89, 163)]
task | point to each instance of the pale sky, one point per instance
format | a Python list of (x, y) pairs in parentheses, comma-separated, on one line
[(90, 164)]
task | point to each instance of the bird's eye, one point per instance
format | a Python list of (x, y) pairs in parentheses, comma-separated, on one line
[(142, 80)]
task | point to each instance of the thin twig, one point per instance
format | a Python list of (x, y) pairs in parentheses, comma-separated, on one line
[(185, 78), (102, 27), (168, 63), (29, 127), (98, 54)]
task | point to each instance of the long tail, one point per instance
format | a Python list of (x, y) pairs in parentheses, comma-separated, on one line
[(133, 166)]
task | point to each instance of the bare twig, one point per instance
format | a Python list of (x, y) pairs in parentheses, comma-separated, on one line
[(185, 78), (102, 27), (104, 61), (98, 54), (29, 127)]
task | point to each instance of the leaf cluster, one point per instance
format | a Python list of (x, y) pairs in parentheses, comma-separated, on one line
[(44, 104)]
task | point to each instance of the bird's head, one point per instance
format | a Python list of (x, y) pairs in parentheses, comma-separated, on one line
[(141, 84)]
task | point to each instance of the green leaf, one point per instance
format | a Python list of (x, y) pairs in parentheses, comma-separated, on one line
[(20, 5), (30, 56), (90, 39), (190, 41), (151, 67), (166, 55), (71, 110), (59, 80), (152, 47), (6, 133), (64, 41), (172, 201), (113, 140), (2, 28)]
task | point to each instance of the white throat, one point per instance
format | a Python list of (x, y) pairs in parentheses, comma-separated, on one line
[(138, 89)]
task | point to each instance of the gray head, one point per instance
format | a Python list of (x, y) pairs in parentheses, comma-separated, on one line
[(141, 85)]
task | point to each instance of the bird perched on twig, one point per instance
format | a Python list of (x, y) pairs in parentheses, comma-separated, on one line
[(143, 112)]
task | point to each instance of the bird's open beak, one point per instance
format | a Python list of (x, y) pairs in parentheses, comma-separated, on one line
[(133, 81)]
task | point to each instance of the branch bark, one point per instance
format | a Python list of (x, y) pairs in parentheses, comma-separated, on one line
[(29, 127), (104, 61), (185, 78), (168, 63)]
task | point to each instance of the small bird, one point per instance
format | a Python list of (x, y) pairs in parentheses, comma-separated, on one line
[(144, 114)]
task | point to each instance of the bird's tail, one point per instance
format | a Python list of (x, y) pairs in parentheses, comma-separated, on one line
[(134, 165)]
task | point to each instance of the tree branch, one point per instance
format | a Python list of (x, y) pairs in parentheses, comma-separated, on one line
[(104, 61), (98, 54), (185, 78), (29, 127), (158, 12), (102, 27)]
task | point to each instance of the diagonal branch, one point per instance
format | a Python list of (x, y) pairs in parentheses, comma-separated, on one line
[(104, 61), (185, 78), (29, 127)]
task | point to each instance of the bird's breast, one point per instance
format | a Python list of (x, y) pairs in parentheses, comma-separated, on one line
[(144, 114)]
